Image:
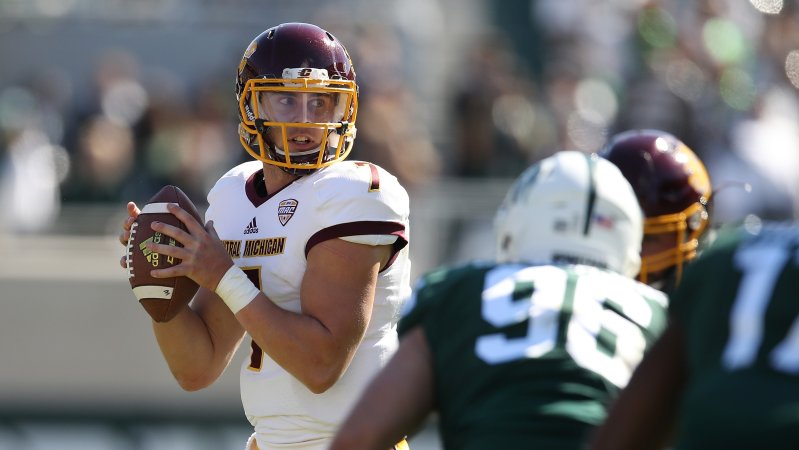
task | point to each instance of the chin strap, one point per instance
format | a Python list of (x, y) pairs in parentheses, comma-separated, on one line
[(260, 127), (345, 126)]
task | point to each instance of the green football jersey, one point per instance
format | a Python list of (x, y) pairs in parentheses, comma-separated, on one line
[(530, 356), (739, 308)]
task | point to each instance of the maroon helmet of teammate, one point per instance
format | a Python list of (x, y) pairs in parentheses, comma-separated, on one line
[(673, 189)]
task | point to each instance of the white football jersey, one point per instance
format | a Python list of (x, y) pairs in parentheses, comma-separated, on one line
[(269, 238)]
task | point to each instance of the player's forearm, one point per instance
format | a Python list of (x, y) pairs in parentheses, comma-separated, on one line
[(298, 342), (395, 403), (188, 348), (644, 415)]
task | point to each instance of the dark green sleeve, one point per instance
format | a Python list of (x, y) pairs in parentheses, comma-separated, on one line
[(417, 309), (423, 300), (714, 263), (434, 289)]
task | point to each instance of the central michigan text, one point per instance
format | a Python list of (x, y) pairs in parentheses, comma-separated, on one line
[(256, 247), (264, 247)]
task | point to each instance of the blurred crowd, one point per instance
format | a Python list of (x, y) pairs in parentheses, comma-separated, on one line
[(539, 76), (721, 75)]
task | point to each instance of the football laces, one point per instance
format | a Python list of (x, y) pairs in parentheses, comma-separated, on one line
[(129, 249)]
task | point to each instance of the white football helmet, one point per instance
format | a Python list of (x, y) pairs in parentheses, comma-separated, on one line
[(571, 207)]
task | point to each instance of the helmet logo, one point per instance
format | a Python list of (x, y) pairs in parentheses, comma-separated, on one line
[(697, 174), (305, 73), (247, 53), (604, 221)]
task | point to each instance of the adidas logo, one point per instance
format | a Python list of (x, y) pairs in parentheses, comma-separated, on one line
[(252, 227)]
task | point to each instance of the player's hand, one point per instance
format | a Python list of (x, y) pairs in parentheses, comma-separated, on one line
[(133, 213), (203, 257)]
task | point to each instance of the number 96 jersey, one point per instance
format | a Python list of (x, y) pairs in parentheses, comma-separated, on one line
[(530, 356), (269, 237)]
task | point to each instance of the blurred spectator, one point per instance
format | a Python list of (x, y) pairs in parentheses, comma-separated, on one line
[(31, 166), (500, 123), (102, 142), (768, 141), (390, 131), (163, 127), (148, 128), (206, 145)]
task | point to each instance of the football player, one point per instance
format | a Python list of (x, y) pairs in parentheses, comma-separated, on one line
[(526, 351), (302, 251), (725, 373), (674, 190)]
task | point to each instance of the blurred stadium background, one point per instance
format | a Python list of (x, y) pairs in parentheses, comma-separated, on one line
[(104, 101)]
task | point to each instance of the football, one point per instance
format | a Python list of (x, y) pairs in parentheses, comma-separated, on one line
[(162, 298)]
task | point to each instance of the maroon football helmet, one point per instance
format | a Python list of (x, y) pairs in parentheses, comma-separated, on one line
[(297, 98), (673, 189)]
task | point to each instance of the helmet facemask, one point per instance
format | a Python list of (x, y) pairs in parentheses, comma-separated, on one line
[(305, 112), (686, 228), (674, 190)]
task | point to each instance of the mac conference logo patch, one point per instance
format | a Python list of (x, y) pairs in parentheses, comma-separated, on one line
[(285, 210)]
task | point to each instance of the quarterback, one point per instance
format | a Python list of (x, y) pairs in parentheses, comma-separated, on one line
[(302, 252)]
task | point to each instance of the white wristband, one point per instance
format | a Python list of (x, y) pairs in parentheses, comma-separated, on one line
[(236, 290)]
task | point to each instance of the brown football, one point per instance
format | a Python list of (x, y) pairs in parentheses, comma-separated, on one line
[(162, 298)]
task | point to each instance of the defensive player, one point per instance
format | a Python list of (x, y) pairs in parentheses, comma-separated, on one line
[(302, 251), (725, 374), (527, 351)]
